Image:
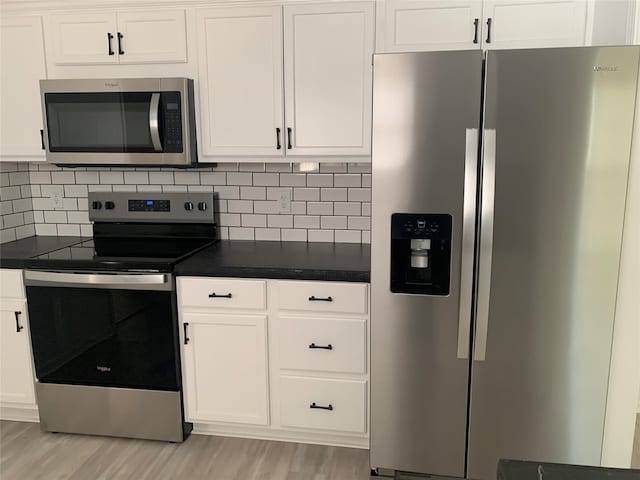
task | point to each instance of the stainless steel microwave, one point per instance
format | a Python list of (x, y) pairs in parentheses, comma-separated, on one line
[(134, 121)]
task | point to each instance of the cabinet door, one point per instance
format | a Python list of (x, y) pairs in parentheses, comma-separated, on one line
[(240, 64), (16, 370), (328, 78), (225, 368), (153, 36), (533, 23), (80, 39), (22, 64), (423, 25)]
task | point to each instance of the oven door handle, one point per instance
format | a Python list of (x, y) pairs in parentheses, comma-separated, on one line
[(122, 281), (154, 122)]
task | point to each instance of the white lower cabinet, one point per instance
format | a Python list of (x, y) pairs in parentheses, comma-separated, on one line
[(261, 360), (225, 365), (17, 378)]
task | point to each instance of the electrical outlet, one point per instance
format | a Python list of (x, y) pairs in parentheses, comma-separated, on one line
[(284, 202), (57, 200)]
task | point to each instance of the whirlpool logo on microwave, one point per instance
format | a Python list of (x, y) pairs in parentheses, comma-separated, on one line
[(103, 369), (111, 84), (605, 68)]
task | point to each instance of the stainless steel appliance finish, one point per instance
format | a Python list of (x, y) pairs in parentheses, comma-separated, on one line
[(122, 281), (158, 153), (533, 290), (423, 106), (556, 159), (120, 412)]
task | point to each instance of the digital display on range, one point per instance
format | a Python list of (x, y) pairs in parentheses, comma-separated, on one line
[(149, 205)]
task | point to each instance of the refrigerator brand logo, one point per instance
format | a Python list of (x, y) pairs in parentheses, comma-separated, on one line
[(605, 68), (111, 84), (103, 369)]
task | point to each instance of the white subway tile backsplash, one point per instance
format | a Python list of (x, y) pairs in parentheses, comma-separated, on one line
[(241, 233), (267, 234), (334, 194), (347, 236), (320, 235), (25, 231), (86, 230), (329, 201), (13, 220)]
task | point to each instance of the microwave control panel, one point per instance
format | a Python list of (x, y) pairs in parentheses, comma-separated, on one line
[(171, 122)]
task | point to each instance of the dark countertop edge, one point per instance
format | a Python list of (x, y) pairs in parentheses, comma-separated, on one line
[(280, 274)]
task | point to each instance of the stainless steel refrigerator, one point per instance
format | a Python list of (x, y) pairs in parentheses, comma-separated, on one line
[(499, 188)]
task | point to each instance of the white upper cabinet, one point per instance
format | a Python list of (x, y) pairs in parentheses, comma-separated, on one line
[(22, 63), (153, 36), (241, 89), (84, 38), (423, 25), (533, 24), (328, 78)]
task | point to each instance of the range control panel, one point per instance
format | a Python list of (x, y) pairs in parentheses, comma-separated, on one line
[(172, 207)]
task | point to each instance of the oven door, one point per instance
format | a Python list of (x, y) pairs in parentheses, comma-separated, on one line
[(132, 121), (111, 330)]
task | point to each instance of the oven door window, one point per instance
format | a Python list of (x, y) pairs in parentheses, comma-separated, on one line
[(102, 337)]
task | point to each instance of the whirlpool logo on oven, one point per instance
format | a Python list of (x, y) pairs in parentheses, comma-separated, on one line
[(102, 369), (605, 68)]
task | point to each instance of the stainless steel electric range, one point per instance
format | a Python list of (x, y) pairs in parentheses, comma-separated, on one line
[(103, 317)]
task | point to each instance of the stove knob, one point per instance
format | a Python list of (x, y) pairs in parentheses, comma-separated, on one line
[(202, 206), (188, 206), (109, 205), (96, 205)]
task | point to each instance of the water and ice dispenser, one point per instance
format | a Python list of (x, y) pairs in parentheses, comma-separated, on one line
[(420, 253)]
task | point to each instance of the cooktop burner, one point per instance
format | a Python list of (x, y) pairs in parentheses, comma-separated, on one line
[(134, 231)]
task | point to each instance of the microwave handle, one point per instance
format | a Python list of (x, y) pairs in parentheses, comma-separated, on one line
[(154, 127)]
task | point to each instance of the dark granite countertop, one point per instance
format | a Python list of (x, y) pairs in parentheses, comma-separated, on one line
[(20, 253), (281, 260), (342, 262)]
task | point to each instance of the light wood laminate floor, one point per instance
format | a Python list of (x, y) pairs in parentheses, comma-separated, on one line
[(26, 453)]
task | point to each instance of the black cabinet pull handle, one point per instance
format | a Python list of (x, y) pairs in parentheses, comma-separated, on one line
[(321, 407), (18, 326), (186, 338), (120, 50), (323, 347), (215, 295), (278, 145), (289, 138), (475, 30), (109, 38), (320, 299), (488, 30), (42, 138)]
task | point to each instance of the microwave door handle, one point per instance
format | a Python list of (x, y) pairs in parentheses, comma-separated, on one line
[(154, 124)]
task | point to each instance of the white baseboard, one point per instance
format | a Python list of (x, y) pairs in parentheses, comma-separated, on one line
[(280, 435), (20, 414)]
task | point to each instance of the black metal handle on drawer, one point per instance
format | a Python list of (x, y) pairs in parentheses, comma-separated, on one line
[(320, 299), (109, 38), (488, 30), (18, 326), (120, 50), (186, 339), (476, 21), (322, 347), (215, 295), (321, 407)]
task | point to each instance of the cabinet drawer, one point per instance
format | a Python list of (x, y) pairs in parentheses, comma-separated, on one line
[(222, 293), (322, 344), (11, 284), (323, 297), (344, 403)]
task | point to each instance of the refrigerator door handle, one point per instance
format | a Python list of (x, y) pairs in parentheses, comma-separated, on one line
[(468, 240), (486, 244)]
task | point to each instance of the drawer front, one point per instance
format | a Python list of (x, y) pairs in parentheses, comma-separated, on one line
[(323, 297), (222, 293), (323, 404), (322, 344), (11, 284)]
